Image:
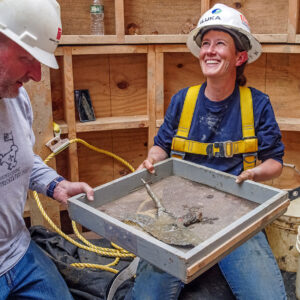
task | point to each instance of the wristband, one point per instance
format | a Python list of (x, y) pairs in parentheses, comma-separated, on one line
[(52, 185)]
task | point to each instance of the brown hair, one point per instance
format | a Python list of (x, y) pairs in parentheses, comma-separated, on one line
[(240, 77)]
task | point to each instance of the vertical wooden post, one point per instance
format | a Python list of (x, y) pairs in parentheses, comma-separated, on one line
[(40, 96), (151, 94), (293, 20), (68, 86), (205, 5), (159, 85), (119, 15)]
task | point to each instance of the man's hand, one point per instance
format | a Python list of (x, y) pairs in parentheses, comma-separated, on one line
[(66, 189)]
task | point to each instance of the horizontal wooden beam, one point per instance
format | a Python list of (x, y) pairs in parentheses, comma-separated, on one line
[(156, 39), (269, 48), (89, 39), (272, 38), (113, 123), (108, 123), (285, 124), (152, 39), (289, 124), (116, 49)]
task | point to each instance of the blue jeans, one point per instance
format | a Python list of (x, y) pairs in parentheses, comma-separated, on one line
[(250, 270), (34, 277)]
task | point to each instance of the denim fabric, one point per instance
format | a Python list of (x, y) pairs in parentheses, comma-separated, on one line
[(34, 277), (153, 284), (250, 270)]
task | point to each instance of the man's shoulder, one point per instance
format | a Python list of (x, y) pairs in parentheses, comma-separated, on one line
[(22, 101), (23, 94)]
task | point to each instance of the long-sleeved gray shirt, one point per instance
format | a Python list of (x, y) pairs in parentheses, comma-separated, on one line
[(20, 169)]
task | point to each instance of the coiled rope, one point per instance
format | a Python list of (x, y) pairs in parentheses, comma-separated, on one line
[(117, 251)]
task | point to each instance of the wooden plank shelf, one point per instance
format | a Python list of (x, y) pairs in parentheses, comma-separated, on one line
[(109, 123), (284, 48), (285, 124), (89, 39), (155, 39), (289, 124), (113, 123)]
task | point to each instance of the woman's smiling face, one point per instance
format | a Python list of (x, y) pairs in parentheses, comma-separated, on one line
[(218, 55)]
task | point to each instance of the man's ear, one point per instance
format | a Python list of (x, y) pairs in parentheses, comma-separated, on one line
[(241, 58)]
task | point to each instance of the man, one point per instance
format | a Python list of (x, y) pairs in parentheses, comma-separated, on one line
[(29, 33), (226, 129)]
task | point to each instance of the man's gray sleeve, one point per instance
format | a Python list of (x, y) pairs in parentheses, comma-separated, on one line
[(41, 174)]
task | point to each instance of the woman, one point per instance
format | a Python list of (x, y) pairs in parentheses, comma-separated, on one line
[(230, 126)]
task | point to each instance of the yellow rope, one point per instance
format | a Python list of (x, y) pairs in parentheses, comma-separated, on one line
[(118, 252), (94, 266)]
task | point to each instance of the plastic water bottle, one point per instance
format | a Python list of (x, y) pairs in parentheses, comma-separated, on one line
[(97, 17)]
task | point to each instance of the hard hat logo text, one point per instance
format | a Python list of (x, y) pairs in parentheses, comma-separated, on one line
[(213, 18)]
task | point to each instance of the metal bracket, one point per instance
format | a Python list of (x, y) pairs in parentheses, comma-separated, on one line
[(57, 144), (295, 193)]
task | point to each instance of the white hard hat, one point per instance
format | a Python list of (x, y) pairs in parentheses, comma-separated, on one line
[(35, 25), (221, 17)]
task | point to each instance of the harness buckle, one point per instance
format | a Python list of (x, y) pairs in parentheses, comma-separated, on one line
[(249, 164), (177, 154), (220, 149), (230, 152)]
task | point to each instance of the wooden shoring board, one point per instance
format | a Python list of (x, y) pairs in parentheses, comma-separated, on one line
[(114, 123), (271, 203), (70, 112), (205, 5), (159, 86), (75, 16), (119, 15), (282, 86), (96, 168), (293, 20), (151, 93), (115, 49), (289, 178), (156, 39), (40, 97), (260, 14), (155, 18)]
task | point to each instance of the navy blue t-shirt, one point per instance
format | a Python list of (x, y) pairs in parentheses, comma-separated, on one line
[(221, 121)]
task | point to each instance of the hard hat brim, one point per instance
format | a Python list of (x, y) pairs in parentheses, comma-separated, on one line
[(253, 53), (40, 55)]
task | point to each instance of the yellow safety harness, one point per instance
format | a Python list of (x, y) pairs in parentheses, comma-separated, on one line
[(247, 146)]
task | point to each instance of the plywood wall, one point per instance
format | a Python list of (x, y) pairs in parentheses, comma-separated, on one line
[(75, 16), (264, 17), (161, 17)]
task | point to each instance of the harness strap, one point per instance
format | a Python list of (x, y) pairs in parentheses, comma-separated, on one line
[(217, 149), (249, 160), (188, 111), (248, 146)]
